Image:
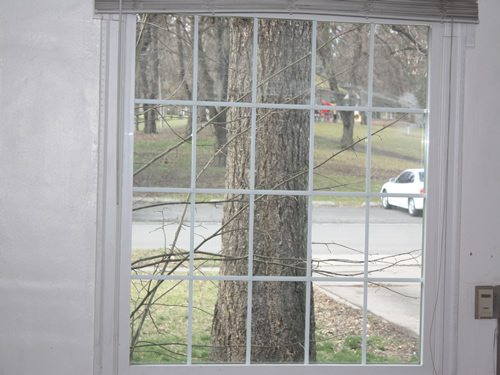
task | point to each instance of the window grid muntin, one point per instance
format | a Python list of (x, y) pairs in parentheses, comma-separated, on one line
[(192, 195), (368, 188), (310, 183), (251, 212), (282, 106), (252, 192)]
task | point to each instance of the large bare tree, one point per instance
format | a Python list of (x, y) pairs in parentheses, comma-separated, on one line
[(280, 225)]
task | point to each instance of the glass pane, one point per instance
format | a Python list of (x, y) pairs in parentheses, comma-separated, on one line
[(339, 322), (342, 64), (278, 322), (400, 66), (207, 234), (282, 150), (396, 242), (162, 156), (398, 144), (221, 247), (225, 134), (340, 153), (160, 234), (338, 240), (213, 58), (159, 321), (204, 298), (280, 235), (393, 328), (284, 61), (218, 67), (229, 329), (164, 57)]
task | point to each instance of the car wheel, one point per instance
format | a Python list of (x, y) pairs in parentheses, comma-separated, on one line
[(385, 201), (411, 208)]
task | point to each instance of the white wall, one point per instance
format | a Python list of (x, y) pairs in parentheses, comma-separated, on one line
[(480, 237), (49, 95), (49, 82)]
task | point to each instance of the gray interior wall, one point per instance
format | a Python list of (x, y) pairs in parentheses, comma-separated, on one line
[(49, 95), (480, 219), (49, 100)]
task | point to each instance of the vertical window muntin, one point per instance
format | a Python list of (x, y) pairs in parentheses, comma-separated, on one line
[(253, 194)]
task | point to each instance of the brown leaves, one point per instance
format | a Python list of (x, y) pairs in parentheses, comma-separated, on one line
[(337, 321)]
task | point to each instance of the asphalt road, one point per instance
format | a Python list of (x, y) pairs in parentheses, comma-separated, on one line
[(335, 230), (322, 213)]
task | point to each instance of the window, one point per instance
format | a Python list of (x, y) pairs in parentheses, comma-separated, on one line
[(231, 240), (243, 177)]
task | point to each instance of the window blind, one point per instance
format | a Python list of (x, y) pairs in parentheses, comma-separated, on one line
[(464, 11)]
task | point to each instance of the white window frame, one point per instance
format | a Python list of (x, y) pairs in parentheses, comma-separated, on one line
[(447, 59)]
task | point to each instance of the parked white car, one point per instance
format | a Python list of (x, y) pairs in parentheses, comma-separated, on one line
[(410, 181)]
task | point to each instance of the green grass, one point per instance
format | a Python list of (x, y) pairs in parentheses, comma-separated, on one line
[(394, 149), (349, 350), (164, 333), (167, 324)]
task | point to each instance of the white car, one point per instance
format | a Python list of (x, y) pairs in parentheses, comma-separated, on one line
[(410, 181)]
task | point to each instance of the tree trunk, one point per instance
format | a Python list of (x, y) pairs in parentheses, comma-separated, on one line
[(280, 222), (222, 78), (179, 24), (348, 121), (217, 86), (148, 44), (150, 117), (219, 125), (326, 55)]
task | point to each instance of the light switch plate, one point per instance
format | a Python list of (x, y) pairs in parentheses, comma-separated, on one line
[(487, 302)]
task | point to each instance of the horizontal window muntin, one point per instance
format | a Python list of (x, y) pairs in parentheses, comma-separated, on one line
[(160, 102), (336, 279)]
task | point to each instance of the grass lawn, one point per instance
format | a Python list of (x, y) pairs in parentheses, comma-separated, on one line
[(165, 330), (394, 149)]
